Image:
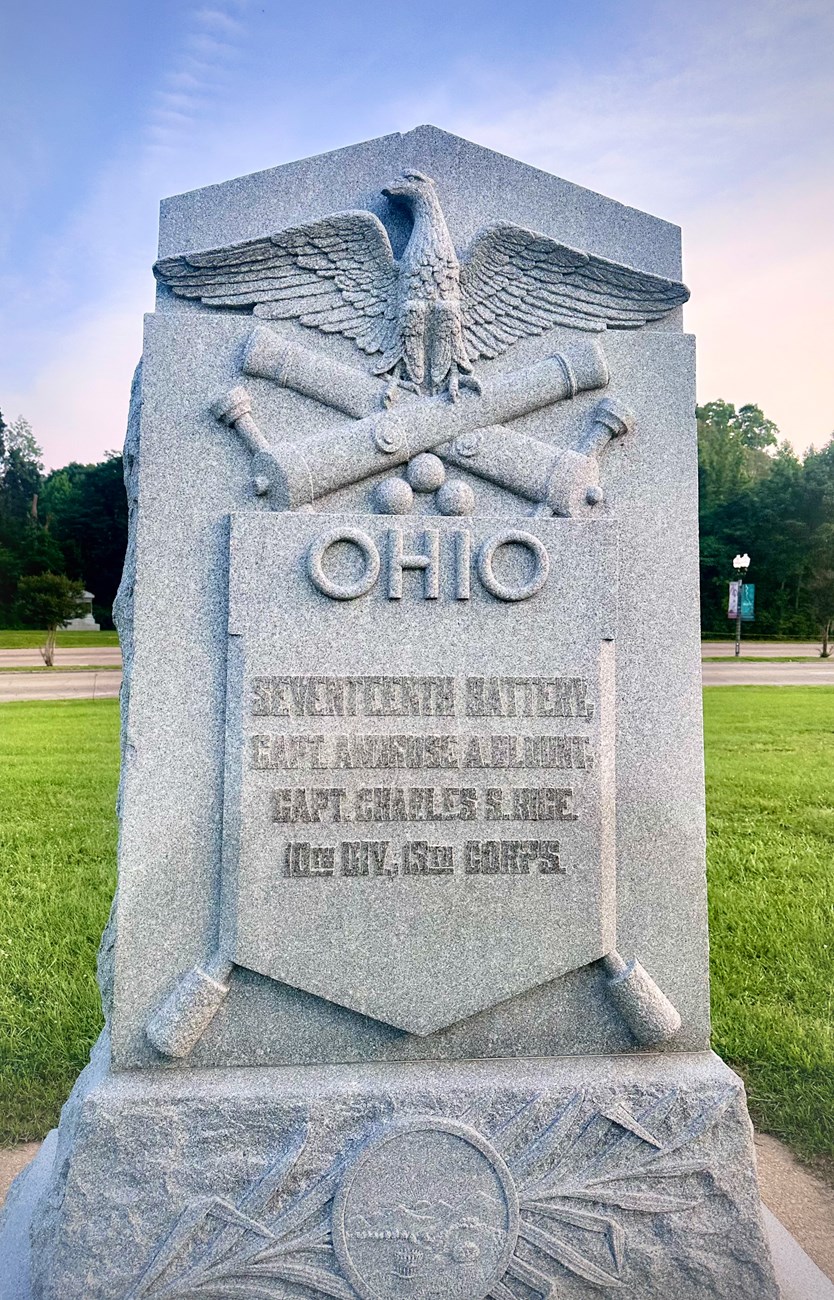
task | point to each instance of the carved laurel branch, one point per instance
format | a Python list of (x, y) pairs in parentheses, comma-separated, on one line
[(574, 1174)]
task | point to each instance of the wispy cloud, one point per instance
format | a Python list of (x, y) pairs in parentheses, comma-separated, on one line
[(204, 68), (74, 358), (725, 126), (733, 94)]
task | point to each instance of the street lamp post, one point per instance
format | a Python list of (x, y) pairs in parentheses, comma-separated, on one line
[(741, 564)]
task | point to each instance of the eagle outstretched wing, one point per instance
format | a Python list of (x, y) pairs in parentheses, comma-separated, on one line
[(337, 275), (515, 283)]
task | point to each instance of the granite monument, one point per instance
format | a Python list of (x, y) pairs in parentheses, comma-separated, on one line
[(406, 978)]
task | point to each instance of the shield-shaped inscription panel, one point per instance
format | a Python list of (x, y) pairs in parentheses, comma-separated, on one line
[(419, 807)]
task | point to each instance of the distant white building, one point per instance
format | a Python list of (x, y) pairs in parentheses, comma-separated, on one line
[(85, 622)]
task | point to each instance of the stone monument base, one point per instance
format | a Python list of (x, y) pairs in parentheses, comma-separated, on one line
[(517, 1179)]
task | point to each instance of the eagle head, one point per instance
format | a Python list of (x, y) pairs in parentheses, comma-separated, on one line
[(409, 186)]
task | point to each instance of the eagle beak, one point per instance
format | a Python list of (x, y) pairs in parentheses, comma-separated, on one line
[(394, 189)]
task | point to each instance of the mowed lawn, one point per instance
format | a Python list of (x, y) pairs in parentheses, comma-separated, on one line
[(59, 764), (770, 782), (770, 821), (26, 640)]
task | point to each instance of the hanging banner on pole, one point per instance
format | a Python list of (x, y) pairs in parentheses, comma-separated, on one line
[(732, 604), (748, 602)]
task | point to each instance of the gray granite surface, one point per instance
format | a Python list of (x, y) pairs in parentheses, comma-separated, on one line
[(479, 186), (408, 892), (196, 473), (582, 1175), (406, 980), (172, 825)]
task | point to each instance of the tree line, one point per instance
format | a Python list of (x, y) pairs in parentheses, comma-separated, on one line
[(756, 495), (71, 522)]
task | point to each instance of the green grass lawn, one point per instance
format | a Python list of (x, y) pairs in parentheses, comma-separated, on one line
[(770, 776), (770, 818), (59, 762), (17, 640)]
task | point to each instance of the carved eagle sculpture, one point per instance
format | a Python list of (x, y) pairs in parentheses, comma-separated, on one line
[(431, 314)]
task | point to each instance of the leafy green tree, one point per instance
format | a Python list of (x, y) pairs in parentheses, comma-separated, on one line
[(761, 497), (20, 480), (47, 600), (821, 585), (73, 521), (84, 509), (818, 476), (20, 470), (732, 450)]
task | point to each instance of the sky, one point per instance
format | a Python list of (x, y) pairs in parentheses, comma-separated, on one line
[(717, 115)]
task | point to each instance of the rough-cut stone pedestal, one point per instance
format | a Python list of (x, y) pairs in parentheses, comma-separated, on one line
[(531, 1178)]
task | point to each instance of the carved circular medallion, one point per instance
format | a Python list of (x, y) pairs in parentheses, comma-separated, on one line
[(469, 444), (429, 1211), (388, 438)]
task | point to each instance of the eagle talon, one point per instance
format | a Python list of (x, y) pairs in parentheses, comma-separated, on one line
[(457, 379), (395, 388)]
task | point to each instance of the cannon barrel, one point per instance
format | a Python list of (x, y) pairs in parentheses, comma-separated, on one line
[(559, 478), (268, 356), (299, 474)]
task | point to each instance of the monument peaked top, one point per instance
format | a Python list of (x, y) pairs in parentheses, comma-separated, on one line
[(480, 185)]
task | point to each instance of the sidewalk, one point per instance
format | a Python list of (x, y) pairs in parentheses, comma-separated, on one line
[(762, 649), (94, 657), (816, 672), (55, 685)]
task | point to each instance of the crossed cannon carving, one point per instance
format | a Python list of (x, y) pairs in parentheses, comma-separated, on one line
[(471, 434)]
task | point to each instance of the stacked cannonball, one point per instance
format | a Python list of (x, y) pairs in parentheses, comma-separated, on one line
[(424, 473)]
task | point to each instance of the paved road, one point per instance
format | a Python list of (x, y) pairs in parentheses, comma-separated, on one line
[(762, 649), (105, 685), (816, 673), (93, 657), (99, 656), (60, 686)]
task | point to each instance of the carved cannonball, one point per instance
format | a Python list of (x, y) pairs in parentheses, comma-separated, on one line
[(393, 496), (455, 498), (426, 473)]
